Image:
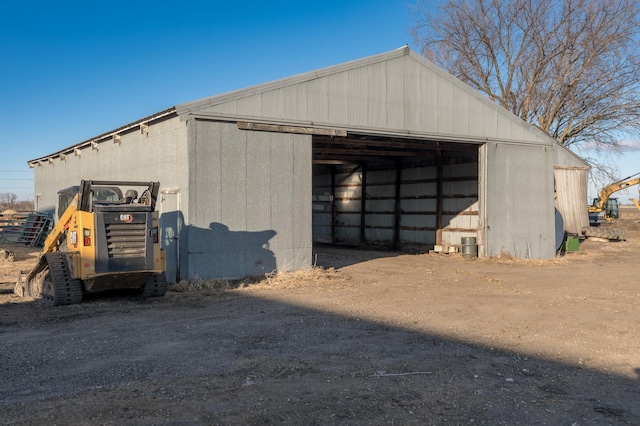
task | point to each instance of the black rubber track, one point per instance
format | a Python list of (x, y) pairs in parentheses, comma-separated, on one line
[(64, 290), (155, 286)]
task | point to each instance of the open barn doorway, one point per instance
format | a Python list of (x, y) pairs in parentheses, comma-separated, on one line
[(391, 193)]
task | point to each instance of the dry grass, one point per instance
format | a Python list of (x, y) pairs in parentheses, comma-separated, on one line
[(200, 285), (508, 259), (286, 279), (307, 276)]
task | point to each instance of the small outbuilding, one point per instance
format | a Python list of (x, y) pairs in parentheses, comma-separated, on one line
[(388, 151)]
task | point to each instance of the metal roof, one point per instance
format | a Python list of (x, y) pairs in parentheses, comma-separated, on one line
[(111, 135), (397, 94)]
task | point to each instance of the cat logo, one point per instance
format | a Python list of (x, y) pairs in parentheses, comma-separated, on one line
[(128, 218)]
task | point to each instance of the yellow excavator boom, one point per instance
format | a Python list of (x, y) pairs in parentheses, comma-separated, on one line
[(606, 192)]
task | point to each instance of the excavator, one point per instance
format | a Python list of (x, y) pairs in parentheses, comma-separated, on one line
[(605, 207), (104, 240)]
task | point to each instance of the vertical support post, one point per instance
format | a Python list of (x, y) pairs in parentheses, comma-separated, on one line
[(333, 204), (439, 199), (398, 209), (482, 199), (363, 203)]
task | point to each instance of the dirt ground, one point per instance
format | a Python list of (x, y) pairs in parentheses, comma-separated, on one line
[(380, 338)]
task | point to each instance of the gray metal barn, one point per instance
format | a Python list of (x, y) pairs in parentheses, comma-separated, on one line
[(386, 151)]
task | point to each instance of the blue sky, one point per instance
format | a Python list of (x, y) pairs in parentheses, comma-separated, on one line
[(75, 69)]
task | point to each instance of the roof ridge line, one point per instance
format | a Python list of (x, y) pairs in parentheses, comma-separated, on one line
[(186, 107)]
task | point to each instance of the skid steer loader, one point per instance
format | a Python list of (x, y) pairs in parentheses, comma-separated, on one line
[(104, 240)]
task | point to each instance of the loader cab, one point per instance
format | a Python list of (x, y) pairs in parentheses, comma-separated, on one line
[(114, 224), (611, 208), (111, 194)]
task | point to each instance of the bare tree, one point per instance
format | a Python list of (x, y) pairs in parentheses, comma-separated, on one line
[(8, 198), (569, 67), (9, 201)]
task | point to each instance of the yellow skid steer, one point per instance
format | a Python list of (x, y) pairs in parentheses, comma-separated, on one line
[(104, 240)]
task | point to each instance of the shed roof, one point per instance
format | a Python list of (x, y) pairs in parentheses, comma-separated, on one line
[(397, 93)]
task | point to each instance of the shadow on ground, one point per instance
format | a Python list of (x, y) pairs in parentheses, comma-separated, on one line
[(332, 256), (229, 358)]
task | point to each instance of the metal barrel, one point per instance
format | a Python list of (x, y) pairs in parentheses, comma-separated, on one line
[(469, 247)]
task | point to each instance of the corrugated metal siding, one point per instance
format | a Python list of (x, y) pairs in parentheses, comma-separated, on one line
[(251, 198), (571, 197), (570, 174), (160, 155), (396, 214), (565, 157), (460, 202), (348, 204), (418, 205), (322, 208), (380, 207), (517, 198), (253, 190), (400, 90)]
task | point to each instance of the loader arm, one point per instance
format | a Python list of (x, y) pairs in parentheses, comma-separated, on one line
[(606, 192), (53, 240), (51, 244)]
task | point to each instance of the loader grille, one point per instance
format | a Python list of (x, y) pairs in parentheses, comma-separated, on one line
[(126, 240)]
